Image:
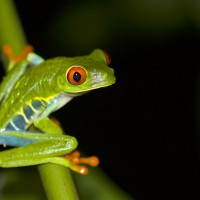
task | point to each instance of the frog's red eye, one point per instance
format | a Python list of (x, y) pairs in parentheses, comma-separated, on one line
[(108, 58), (76, 75)]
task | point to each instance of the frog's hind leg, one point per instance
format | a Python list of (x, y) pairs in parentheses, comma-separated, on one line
[(38, 148), (34, 146)]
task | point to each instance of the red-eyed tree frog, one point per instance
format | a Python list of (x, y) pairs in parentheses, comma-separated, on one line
[(34, 88)]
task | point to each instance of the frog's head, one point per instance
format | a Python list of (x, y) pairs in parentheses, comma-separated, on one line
[(85, 73)]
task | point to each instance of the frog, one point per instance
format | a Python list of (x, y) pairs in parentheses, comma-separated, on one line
[(31, 91)]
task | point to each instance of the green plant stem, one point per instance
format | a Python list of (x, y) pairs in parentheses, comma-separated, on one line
[(11, 31), (96, 185), (56, 179), (54, 175)]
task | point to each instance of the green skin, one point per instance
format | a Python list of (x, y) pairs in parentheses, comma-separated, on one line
[(44, 81)]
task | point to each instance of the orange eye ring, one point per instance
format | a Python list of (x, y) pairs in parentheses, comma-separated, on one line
[(76, 75)]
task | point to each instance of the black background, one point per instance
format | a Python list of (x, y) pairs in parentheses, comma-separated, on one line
[(143, 128)]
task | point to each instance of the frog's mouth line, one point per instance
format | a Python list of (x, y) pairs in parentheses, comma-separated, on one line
[(97, 86), (101, 84)]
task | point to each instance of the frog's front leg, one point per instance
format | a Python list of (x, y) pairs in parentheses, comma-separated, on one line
[(48, 126)]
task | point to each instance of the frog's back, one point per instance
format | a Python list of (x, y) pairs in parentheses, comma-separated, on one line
[(27, 99)]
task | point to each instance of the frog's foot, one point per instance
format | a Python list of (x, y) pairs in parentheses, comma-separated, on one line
[(7, 50), (75, 159)]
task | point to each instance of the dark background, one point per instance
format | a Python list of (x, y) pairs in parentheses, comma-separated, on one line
[(143, 128)]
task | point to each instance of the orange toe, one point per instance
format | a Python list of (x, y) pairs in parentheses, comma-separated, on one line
[(75, 160), (7, 50)]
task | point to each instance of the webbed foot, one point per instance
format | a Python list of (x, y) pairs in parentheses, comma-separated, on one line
[(75, 159), (7, 50)]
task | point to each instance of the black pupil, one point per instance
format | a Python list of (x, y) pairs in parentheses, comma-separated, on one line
[(77, 76)]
